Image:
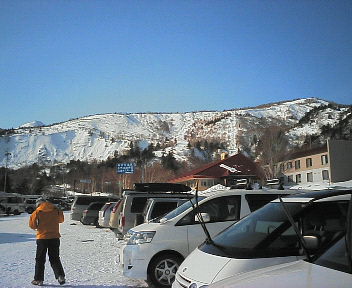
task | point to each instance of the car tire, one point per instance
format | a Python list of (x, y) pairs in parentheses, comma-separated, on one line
[(16, 212), (162, 270), (30, 210)]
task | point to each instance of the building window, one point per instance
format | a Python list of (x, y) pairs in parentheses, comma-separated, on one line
[(289, 165), (324, 159), (325, 174), (297, 164), (298, 178), (281, 167), (309, 162), (310, 177), (290, 178)]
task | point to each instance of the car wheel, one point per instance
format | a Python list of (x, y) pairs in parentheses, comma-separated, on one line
[(162, 270), (16, 212), (30, 210)]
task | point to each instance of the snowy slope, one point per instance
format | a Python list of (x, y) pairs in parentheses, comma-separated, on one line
[(97, 137)]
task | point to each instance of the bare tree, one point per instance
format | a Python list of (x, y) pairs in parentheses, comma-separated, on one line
[(272, 147)]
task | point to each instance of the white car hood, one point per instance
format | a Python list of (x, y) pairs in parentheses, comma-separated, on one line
[(218, 268), (299, 274), (200, 263)]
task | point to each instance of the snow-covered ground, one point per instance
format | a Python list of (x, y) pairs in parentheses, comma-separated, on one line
[(87, 253)]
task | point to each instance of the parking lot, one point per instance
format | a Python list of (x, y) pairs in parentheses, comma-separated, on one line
[(87, 253)]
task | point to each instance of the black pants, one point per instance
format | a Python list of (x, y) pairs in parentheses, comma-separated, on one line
[(53, 248)]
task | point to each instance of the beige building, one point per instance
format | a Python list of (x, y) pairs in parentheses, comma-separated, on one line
[(331, 163)]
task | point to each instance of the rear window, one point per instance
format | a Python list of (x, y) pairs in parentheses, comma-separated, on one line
[(138, 204), (90, 199), (14, 200), (96, 206)]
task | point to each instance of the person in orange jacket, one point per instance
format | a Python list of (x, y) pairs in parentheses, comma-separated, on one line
[(45, 220)]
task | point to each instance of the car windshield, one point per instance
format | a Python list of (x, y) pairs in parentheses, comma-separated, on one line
[(182, 208), (268, 233), (336, 257)]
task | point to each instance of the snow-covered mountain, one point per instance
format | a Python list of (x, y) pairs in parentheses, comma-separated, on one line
[(34, 123), (97, 137)]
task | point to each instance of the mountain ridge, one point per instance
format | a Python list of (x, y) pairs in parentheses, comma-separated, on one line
[(100, 136)]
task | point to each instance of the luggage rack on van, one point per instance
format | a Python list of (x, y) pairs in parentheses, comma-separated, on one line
[(161, 187)]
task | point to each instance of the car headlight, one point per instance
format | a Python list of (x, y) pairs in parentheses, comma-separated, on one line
[(140, 237)]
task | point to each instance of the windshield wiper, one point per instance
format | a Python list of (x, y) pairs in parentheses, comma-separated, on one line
[(295, 228), (201, 220)]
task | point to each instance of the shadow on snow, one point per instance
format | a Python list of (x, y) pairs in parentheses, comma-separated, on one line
[(15, 237)]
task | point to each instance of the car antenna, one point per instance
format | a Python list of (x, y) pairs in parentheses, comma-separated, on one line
[(298, 233), (348, 236), (200, 218)]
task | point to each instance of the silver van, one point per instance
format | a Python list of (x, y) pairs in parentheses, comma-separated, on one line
[(133, 203)]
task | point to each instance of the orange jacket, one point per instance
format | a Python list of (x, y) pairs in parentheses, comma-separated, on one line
[(45, 219)]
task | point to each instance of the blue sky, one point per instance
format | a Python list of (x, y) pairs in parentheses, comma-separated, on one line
[(62, 59)]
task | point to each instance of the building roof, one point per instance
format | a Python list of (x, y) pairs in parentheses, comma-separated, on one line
[(234, 165)]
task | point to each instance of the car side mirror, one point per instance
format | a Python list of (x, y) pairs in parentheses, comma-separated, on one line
[(312, 242), (204, 216)]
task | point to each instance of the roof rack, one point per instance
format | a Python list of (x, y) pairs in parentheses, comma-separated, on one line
[(161, 187)]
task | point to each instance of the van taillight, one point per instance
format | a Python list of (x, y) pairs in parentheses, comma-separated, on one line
[(123, 221)]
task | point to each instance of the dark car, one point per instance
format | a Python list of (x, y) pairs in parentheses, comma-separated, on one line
[(90, 216)]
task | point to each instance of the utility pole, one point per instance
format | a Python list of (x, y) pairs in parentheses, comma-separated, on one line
[(7, 154)]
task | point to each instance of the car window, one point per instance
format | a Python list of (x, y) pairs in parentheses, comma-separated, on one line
[(160, 208), (226, 208), (90, 199), (268, 233), (14, 200), (96, 206), (138, 204), (256, 201), (336, 257), (182, 208)]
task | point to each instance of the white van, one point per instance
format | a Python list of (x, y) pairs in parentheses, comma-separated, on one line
[(266, 238), (153, 251), (331, 269)]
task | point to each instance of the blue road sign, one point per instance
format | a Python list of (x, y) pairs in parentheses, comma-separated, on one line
[(125, 168)]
